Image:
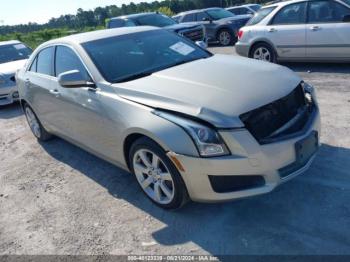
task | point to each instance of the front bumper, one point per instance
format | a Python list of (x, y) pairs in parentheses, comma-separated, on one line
[(8, 94), (242, 49), (248, 159)]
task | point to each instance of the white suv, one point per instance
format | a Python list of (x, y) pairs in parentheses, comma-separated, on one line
[(298, 30)]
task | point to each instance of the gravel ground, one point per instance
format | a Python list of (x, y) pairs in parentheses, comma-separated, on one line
[(57, 199)]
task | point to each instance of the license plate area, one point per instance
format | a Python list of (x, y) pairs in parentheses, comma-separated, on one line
[(306, 148)]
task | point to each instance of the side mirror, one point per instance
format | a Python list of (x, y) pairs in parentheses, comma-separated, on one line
[(207, 19), (74, 79), (346, 18)]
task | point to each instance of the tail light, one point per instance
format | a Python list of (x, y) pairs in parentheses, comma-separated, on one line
[(240, 34)]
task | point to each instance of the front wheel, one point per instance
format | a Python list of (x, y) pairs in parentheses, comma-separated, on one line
[(37, 129), (157, 175), (225, 37), (263, 52)]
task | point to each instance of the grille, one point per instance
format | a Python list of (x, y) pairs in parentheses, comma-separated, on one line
[(280, 118), (194, 34)]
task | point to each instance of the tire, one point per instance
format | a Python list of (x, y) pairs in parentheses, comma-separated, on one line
[(35, 126), (157, 175), (263, 52), (225, 37)]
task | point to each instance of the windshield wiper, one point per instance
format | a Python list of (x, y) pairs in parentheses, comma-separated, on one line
[(132, 77)]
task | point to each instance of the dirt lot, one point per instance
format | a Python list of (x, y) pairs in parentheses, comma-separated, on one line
[(57, 199)]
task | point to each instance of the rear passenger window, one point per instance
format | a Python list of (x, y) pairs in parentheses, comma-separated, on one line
[(67, 60), (326, 12), (188, 18), (45, 61), (291, 14)]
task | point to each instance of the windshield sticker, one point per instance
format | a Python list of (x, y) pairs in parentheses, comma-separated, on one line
[(20, 46), (182, 48)]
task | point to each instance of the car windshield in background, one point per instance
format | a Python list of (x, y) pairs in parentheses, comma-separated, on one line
[(158, 20), (217, 14), (257, 7), (128, 57), (260, 15), (14, 52)]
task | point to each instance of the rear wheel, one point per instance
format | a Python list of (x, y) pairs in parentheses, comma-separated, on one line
[(37, 129), (157, 175), (263, 52)]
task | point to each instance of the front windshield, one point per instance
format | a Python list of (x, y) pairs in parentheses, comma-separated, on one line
[(158, 20), (14, 52), (127, 57), (346, 1), (219, 13), (260, 15)]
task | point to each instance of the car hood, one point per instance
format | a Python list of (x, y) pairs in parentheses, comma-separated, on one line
[(10, 68), (217, 89), (177, 27)]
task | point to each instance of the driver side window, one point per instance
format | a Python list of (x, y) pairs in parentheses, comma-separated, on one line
[(67, 60), (201, 16)]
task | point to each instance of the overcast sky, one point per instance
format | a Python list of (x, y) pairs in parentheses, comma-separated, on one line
[(40, 11)]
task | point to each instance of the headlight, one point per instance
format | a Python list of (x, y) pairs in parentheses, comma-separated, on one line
[(310, 93), (207, 140)]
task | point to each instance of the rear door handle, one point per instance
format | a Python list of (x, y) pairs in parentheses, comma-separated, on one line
[(315, 28), (27, 82), (55, 92), (271, 30)]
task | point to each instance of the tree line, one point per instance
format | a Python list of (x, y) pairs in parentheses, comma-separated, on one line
[(85, 20)]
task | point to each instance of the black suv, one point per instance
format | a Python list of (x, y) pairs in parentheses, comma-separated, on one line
[(192, 31), (221, 25)]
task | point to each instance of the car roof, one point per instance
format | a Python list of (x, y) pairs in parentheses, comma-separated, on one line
[(11, 42), (100, 34), (198, 10), (134, 15), (283, 3)]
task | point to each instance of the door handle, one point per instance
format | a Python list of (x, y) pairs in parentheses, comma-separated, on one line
[(271, 30), (315, 28), (55, 92), (27, 82)]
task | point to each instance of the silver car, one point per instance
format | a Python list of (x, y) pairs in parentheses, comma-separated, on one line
[(298, 30), (187, 123), (13, 56)]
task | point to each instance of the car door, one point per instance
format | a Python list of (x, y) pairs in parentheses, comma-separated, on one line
[(327, 36), (210, 27), (41, 81), (80, 113), (287, 31)]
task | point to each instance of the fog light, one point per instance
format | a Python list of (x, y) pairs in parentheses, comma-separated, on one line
[(15, 95)]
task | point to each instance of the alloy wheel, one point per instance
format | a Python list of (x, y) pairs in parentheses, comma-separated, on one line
[(153, 176), (224, 38), (262, 54)]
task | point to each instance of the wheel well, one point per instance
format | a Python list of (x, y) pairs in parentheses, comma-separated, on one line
[(23, 103), (129, 140), (221, 29), (261, 42)]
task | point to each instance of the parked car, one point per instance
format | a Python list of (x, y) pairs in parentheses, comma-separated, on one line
[(249, 9), (221, 25), (298, 30), (13, 55), (193, 31), (187, 123)]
